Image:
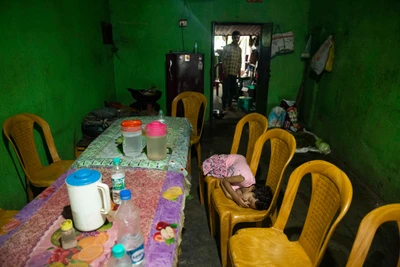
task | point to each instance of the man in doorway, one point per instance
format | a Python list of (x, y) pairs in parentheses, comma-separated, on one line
[(231, 64)]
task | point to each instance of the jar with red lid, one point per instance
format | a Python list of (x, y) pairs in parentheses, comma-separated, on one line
[(132, 132)]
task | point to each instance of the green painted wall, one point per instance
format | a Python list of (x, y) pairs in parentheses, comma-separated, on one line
[(357, 105), (53, 64), (145, 31)]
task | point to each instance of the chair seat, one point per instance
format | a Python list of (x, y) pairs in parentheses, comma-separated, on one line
[(6, 216), (47, 175), (224, 206), (266, 247)]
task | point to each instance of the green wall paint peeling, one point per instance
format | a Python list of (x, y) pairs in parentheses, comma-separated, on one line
[(357, 105), (53, 64)]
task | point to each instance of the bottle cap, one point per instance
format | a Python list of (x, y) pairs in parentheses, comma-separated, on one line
[(66, 225), (116, 161), (118, 251), (125, 194), (160, 112)]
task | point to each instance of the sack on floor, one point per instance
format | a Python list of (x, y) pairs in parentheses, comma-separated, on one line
[(276, 117), (291, 122)]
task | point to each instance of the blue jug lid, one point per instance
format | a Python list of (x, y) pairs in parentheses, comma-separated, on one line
[(83, 177)]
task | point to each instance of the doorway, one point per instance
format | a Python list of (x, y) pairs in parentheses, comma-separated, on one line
[(252, 86)]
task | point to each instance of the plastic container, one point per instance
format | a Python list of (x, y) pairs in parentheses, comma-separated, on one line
[(129, 232), (117, 180), (156, 140), (161, 117), (132, 132), (119, 257), (68, 238)]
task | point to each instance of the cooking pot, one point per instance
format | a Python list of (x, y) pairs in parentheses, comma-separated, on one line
[(218, 114), (89, 199)]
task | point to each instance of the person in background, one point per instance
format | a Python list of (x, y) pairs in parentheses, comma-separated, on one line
[(231, 64), (237, 181)]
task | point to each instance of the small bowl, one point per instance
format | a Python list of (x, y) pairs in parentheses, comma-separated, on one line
[(218, 114)]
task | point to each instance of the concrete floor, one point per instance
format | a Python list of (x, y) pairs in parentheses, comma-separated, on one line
[(199, 248)]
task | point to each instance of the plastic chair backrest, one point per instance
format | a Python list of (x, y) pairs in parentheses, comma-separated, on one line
[(283, 147), (331, 191), (19, 130), (258, 124), (367, 229), (192, 105)]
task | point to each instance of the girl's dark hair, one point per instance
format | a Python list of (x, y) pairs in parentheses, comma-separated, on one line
[(263, 194)]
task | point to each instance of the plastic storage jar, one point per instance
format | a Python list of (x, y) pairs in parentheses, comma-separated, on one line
[(156, 139), (132, 132)]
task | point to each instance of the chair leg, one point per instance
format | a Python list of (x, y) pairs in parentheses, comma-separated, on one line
[(212, 183), (189, 164), (225, 233), (30, 192), (211, 215), (198, 149), (201, 185)]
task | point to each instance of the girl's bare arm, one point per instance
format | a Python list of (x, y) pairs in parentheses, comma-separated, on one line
[(226, 184)]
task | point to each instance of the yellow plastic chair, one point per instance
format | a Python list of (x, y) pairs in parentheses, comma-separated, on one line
[(19, 130), (283, 146), (367, 230), (193, 104), (331, 194), (258, 124)]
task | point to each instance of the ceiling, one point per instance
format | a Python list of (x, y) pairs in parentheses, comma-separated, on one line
[(244, 29)]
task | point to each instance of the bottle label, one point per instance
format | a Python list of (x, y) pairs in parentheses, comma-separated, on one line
[(118, 181), (136, 255)]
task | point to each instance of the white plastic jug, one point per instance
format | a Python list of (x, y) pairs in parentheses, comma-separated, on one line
[(89, 199)]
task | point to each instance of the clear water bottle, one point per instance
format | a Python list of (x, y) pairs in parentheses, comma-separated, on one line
[(119, 257), (129, 232), (161, 117), (117, 180)]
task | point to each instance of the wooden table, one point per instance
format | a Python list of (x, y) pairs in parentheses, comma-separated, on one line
[(31, 238)]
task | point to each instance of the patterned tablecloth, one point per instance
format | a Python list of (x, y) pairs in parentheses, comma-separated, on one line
[(103, 149), (32, 237)]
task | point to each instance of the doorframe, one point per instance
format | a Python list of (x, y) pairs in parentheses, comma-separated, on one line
[(262, 50)]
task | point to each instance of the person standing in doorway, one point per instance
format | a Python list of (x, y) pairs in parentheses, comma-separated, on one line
[(231, 64)]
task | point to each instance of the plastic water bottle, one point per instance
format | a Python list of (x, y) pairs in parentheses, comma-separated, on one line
[(161, 117), (117, 180), (195, 48), (119, 257), (129, 232)]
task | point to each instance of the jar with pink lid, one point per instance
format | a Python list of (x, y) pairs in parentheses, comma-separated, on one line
[(156, 140)]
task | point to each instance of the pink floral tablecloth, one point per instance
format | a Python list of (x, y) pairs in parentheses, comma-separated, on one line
[(32, 237)]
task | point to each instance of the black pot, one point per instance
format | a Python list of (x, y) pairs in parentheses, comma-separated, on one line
[(218, 113)]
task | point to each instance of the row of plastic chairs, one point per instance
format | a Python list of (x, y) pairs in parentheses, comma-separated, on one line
[(331, 198), (19, 130)]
